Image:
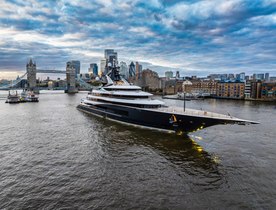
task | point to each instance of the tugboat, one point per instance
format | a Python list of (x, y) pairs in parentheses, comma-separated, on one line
[(13, 98), (120, 101)]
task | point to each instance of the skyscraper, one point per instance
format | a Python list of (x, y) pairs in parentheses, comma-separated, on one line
[(124, 70), (260, 76), (111, 56), (231, 76), (108, 52), (131, 70), (254, 76), (102, 67), (177, 75), (138, 70), (168, 74), (111, 59), (93, 69), (242, 76), (267, 77)]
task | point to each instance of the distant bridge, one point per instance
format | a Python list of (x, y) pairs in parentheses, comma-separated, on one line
[(32, 71), (15, 82)]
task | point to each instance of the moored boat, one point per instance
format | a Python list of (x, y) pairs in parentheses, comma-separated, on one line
[(13, 98), (31, 97), (23, 96)]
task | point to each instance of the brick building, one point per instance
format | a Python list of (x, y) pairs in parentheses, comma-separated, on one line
[(233, 90), (256, 89), (202, 86), (149, 80), (268, 91), (173, 87)]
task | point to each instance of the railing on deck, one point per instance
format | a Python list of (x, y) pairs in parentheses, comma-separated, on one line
[(179, 110)]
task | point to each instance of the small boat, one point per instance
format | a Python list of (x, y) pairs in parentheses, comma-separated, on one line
[(13, 98), (188, 96), (23, 96), (31, 97)]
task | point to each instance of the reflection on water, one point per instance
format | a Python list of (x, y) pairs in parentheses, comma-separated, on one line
[(182, 151)]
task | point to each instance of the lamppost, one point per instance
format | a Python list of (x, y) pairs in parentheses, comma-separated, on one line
[(186, 82)]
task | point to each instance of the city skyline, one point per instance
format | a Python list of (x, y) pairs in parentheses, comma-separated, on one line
[(193, 37)]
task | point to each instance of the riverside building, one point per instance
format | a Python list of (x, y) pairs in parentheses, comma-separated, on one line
[(233, 90), (268, 91), (202, 86), (149, 80)]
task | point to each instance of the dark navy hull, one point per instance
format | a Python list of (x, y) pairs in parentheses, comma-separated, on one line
[(153, 119)]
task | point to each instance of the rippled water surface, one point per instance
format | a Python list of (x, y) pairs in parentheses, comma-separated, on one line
[(53, 156)]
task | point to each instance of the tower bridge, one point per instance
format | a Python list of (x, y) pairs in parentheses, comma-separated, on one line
[(31, 71)]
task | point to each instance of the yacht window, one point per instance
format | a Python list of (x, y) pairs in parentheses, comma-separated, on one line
[(131, 105)]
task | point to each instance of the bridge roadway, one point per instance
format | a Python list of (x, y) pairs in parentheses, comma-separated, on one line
[(50, 71)]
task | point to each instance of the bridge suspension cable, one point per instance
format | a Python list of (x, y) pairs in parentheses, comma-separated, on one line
[(83, 83), (13, 83)]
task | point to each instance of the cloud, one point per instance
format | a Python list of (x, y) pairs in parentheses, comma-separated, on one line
[(264, 20), (191, 36), (144, 31)]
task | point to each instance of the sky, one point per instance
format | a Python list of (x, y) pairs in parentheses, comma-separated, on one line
[(192, 36)]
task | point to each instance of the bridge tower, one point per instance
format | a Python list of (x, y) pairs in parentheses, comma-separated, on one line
[(31, 76), (71, 78)]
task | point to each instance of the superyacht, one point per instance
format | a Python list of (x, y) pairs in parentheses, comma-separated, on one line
[(121, 101)]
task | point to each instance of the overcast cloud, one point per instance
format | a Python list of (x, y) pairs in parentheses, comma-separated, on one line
[(195, 37)]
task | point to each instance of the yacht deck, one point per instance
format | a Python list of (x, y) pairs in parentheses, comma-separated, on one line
[(201, 113)]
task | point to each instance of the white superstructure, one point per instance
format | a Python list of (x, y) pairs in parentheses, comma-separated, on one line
[(123, 93)]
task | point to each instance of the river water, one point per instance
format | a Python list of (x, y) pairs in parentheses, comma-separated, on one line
[(53, 156)]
